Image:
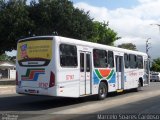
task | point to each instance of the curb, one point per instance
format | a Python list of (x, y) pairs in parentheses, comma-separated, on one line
[(7, 82), (8, 89)]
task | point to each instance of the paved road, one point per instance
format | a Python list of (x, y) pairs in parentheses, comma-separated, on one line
[(41, 107), (143, 110)]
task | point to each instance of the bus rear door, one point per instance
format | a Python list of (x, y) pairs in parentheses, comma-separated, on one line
[(85, 73), (119, 72)]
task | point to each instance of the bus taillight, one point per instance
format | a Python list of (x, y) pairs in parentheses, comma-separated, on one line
[(52, 80), (16, 78)]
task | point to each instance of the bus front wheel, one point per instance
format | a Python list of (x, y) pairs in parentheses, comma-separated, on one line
[(102, 91)]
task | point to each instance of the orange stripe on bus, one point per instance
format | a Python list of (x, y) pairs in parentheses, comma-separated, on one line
[(104, 72)]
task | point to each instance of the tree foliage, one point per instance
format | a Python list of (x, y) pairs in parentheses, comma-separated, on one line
[(156, 65), (5, 57), (129, 46), (61, 17), (103, 34), (45, 17), (14, 22)]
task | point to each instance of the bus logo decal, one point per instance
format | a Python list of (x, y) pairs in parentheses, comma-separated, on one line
[(32, 74), (106, 74), (24, 51)]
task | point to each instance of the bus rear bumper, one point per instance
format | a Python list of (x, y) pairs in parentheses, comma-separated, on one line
[(37, 91)]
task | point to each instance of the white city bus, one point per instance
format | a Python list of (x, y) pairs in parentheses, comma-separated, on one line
[(59, 66)]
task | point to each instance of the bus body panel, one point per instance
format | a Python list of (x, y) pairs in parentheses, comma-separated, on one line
[(132, 77), (80, 80), (68, 82)]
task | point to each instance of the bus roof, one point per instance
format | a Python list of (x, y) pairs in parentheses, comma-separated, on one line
[(87, 44)]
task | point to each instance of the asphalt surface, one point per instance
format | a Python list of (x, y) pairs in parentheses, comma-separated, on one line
[(145, 109), (26, 107)]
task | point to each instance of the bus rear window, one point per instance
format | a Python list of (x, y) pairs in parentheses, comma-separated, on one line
[(34, 52)]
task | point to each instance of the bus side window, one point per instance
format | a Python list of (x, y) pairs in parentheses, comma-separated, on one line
[(82, 62), (100, 58), (110, 59), (88, 66), (126, 60), (68, 55), (140, 62), (133, 61)]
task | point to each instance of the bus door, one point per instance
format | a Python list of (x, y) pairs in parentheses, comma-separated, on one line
[(146, 72), (85, 73), (120, 72)]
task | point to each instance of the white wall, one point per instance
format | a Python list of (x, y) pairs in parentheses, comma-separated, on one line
[(12, 74)]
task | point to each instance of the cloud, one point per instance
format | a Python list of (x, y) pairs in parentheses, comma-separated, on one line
[(147, 1), (132, 24), (98, 13)]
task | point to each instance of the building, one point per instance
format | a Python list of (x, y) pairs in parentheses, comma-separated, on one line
[(7, 70)]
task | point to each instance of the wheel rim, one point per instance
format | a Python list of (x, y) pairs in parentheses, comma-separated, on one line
[(102, 91)]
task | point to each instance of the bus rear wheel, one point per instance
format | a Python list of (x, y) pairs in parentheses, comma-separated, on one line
[(102, 91)]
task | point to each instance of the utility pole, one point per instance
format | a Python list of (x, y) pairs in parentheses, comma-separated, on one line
[(147, 46), (148, 61)]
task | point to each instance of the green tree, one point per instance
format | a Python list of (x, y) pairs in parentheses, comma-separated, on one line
[(46, 17), (14, 23), (156, 65), (5, 57), (129, 46), (61, 17), (103, 34)]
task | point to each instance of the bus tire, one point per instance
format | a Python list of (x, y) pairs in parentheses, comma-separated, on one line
[(102, 91)]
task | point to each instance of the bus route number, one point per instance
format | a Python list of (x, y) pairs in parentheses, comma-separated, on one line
[(43, 85), (69, 77)]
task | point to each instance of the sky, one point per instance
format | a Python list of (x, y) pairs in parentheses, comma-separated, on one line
[(131, 19)]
